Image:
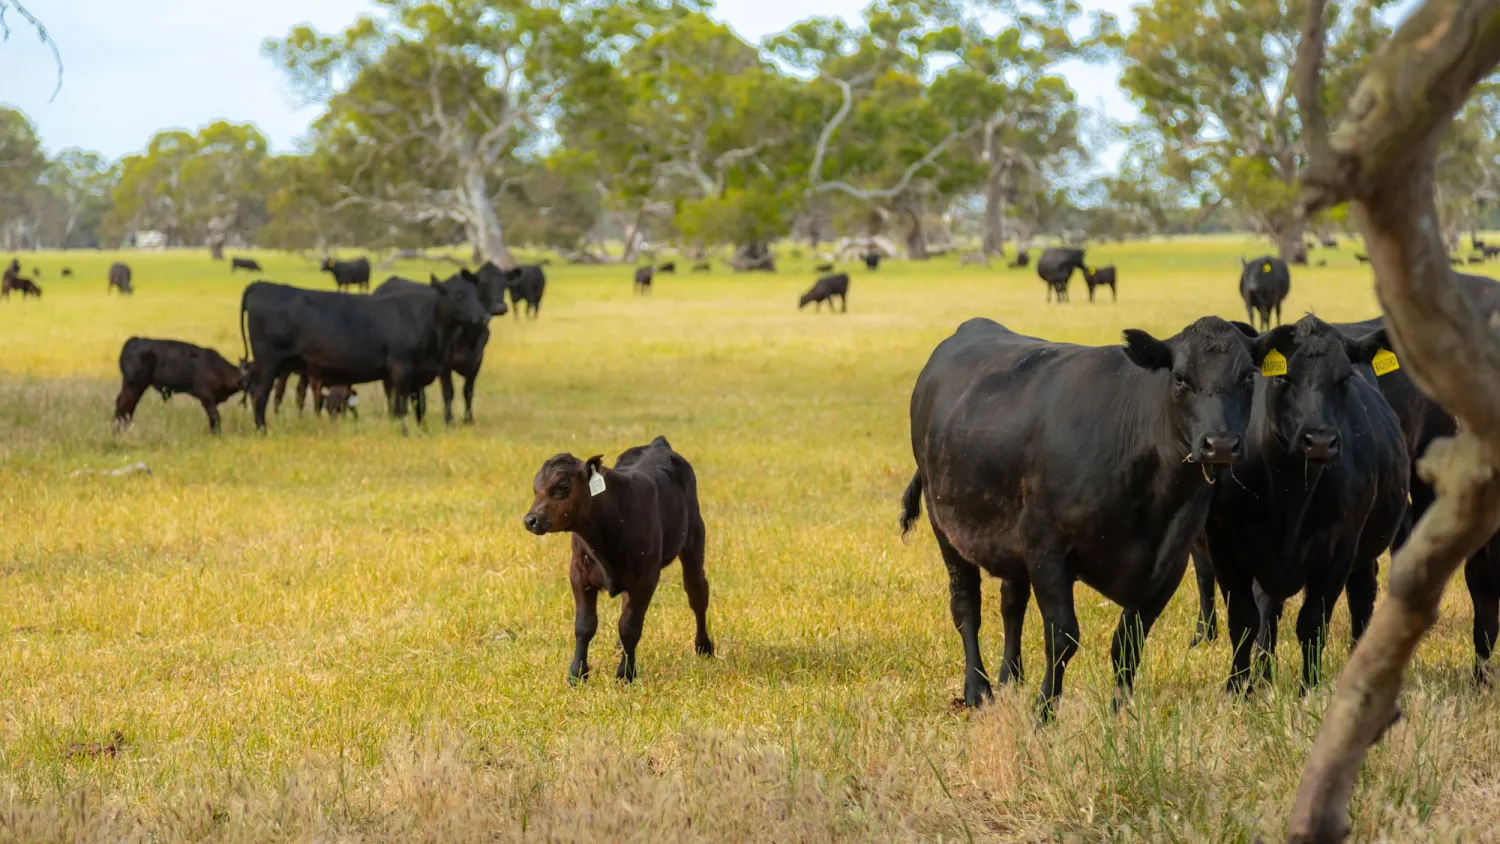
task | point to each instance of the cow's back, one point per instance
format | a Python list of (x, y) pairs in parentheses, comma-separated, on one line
[(676, 488)]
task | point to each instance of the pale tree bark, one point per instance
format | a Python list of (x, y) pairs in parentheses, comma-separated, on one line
[(1381, 158), (996, 202)]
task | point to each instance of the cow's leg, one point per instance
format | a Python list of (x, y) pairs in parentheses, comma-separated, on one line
[(1360, 590), (125, 402), (1052, 580), (303, 381), (1250, 313), (1278, 313), (1208, 616), (279, 391), (1269, 609), (212, 409), (445, 381), (964, 603), (585, 618), (1312, 626), (1243, 621), (1091, 294), (262, 380), (633, 606), (1130, 637), (420, 405), (695, 583), (843, 303), (1014, 596), (469, 396), (1114, 295), (1486, 599)]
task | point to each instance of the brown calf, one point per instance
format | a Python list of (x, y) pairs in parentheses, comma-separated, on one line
[(170, 367), (628, 523)]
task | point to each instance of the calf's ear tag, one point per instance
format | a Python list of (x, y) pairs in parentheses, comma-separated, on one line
[(1384, 361), (1266, 267), (596, 483), (1273, 364)]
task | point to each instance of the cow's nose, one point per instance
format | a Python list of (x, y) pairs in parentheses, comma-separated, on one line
[(1320, 444), (535, 524), (1221, 449)]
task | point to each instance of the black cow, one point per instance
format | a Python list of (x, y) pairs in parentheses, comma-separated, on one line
[(643, 277), (348, 273), (36, 272), (1475, 242), (466, 351), (668, 267), (1264, 284), (826, 267), (401, 340), (1476, 259), (25, 285), (171, 366), (67, 272), (1055, 268), (1491, 252), (702, 267), (1047, 463), (525, 283), (1362, 258), (1328, 242), (872, 260), (119, 278), (1101, 277), (826, 290), (1023, 260), (628, 523), (1317, 500), (238, 263)]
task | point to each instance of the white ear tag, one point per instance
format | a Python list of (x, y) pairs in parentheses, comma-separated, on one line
[(596, 483)]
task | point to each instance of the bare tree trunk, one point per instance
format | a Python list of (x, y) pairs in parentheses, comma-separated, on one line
[(996, 196), (1382, 157), (632, 239), (916, 238), (483, 223), (1289, 241)]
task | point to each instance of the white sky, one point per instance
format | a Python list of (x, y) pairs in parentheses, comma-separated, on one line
[(134, 67)]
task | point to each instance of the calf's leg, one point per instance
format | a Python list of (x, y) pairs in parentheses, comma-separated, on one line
[(633, 608), (695, 583), (212, 410), (963, 602), (125, 402), (585, 622)]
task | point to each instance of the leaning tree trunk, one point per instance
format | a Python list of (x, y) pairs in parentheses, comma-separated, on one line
[(1382, 158), (916, 238), (1290, 246), (483, 223)]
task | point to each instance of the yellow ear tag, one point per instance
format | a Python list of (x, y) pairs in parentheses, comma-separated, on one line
[(1089, 270), (1273, 364), (1384, 361), (1266, 267)]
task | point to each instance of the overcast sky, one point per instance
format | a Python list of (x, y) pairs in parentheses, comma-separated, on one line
[(134, 67)]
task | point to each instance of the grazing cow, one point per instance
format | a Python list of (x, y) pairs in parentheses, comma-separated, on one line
[(171, 366), (341, 400), (1264, 284), (1100, 277), (825, 267), (872, 260), (400, 339), (348, 273), (1023, 260), (119, 278), (643, 277), (238, 263), (826, 290), (465, 353), (1328, 242), (1317, 500), (1491, 251), (1047, 463), (1456, 261), (1475, 242), (36, 272), (67, 272), (1055, 268), (628, 523), (668, 267), (25, 285), (1362, 258), (1476, 259), (702, 267)]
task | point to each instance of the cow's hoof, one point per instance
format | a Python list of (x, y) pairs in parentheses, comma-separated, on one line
[(704, 646), (977, 693), (577, 673), (625, 672)]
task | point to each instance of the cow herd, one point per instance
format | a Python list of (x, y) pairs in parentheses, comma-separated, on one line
[(1281, 461)]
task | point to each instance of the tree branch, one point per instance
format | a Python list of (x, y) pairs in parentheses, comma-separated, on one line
[(900, 186), (41, 31), (1382, 157)]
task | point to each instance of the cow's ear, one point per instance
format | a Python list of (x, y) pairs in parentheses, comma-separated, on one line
[(434, 282), (1279, 338), (1146, 351), (1364, 349), (1243, 262), (468, 276), (1245, 328), (594, 466)]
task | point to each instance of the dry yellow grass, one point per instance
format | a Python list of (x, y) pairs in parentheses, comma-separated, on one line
[(338, 633)]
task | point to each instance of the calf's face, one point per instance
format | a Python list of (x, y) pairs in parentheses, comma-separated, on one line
[(562, 494), (1211, 365), (1305, 407)]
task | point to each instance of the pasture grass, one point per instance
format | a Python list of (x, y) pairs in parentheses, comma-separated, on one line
[(337, 632)]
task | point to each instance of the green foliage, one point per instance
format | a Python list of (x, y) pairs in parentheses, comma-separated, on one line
[(196, 188)]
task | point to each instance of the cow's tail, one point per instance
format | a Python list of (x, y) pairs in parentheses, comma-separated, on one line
[(244, 338), (911, 503)]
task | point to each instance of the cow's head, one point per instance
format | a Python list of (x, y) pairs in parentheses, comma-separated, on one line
[(459, 305), (1304, 408), (327, 265), (1210, 367), (490, 286), (563, 499)]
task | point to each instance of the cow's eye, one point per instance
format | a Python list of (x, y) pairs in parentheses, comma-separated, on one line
[(1248, 381), (562, 490)]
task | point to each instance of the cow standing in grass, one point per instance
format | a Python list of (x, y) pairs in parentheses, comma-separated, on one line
[(1049, 463), (1055, 268), (827, 289), (119, 278), (238, 263), (1264, 285), (628, 523), (643, 278), (170, 367), (465, 352), (348, 273), (1101, 277)]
